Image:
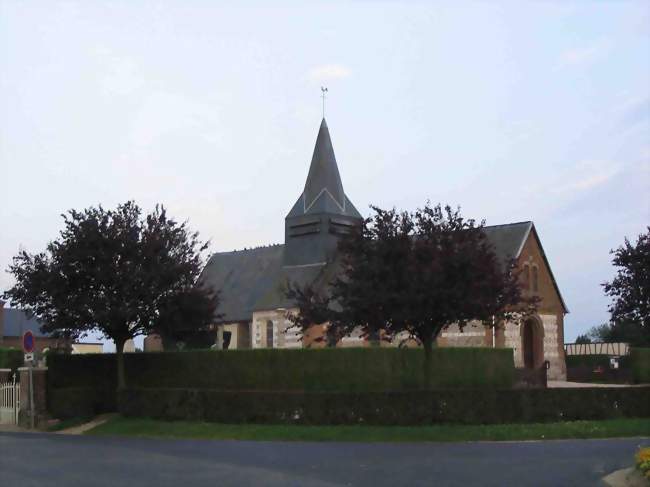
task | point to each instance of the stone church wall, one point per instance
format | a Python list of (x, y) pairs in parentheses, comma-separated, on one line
[(474, 334), (553, 347), (512, 339), (283, 337)]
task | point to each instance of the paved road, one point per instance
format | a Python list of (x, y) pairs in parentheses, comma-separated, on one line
[(55, 460)]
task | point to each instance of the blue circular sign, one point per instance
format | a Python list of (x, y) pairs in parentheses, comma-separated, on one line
[(28, 342)]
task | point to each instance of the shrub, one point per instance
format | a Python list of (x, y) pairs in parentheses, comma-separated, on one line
[(594, 361), (642, 461), (84, 378), (640, 358), (360, 369), (10, 358), (477, 406), (78, 402)]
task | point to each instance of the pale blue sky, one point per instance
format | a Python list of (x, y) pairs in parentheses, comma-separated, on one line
[(514, 110)]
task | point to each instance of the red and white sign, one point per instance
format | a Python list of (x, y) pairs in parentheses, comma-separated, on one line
[(28, 341)]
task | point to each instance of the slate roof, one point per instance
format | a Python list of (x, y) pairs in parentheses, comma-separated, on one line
[(16, 323), (508, 240), (323, 191), (242, 277), (254, 280)]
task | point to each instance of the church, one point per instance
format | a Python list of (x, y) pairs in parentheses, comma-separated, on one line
[(252, 282)]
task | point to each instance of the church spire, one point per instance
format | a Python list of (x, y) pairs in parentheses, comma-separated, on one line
[(323, 192), (323, 179), (322, 213)]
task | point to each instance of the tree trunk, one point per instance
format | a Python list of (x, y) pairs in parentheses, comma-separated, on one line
[(119, 356), (427, 343)]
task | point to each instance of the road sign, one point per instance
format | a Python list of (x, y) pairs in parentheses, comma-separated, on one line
[(28, 342), (29, 357)]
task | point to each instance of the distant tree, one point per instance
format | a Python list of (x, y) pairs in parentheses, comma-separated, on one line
[(621, 332), (584, 339), (415, 274), (599, 333), (630, 291), (114, 272)]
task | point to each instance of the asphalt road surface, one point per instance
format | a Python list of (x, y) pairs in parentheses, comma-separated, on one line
[(57, 460)]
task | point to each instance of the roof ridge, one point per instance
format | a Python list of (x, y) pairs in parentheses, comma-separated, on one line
[(248, 249), (509, 224)]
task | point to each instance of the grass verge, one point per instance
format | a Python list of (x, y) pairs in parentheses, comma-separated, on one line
[(69, 423), (140, 427)]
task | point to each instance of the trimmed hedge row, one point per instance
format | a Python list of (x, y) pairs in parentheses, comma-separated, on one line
[(10, 358), (594, 361), (640, 358), (78, 402), (479, 406), (632, 368), (82, 385), (339, 369)]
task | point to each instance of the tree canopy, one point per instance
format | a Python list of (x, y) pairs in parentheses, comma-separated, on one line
[(413, 274), (116, 272), (630, 293)]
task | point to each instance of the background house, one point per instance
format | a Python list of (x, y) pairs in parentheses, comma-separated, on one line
[(15, 322)]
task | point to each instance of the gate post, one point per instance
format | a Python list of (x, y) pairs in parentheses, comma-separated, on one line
[(39, 395)]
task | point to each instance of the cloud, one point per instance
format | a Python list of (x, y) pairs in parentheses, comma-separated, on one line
[(638, 112), (162, 113), (588, 175), (583, 55), (119, 75), (327, 72)]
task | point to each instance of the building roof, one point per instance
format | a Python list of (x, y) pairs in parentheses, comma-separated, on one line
[(508, 239), (255, 279), (16, 322), (323, 191), (242, 277)]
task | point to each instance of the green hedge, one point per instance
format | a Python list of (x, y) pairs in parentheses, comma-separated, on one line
[(360, 369), (594, 361), (477, 406), (78, 402), (87, 383), (640, 358), (10, 358)]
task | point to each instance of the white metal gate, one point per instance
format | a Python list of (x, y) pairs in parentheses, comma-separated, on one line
[(9, 402)]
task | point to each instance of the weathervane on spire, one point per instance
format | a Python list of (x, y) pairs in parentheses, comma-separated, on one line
[(323, 91)]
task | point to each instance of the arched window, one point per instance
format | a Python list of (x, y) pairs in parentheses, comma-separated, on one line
[(535, 282), (526, 277), (269, 334)]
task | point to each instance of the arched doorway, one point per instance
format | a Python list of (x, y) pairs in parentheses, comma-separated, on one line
[(532, 344)]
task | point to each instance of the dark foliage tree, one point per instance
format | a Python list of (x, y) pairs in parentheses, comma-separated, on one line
[(630, 291), (184, 319), (583, 339), (115, 272), (414, 274)]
